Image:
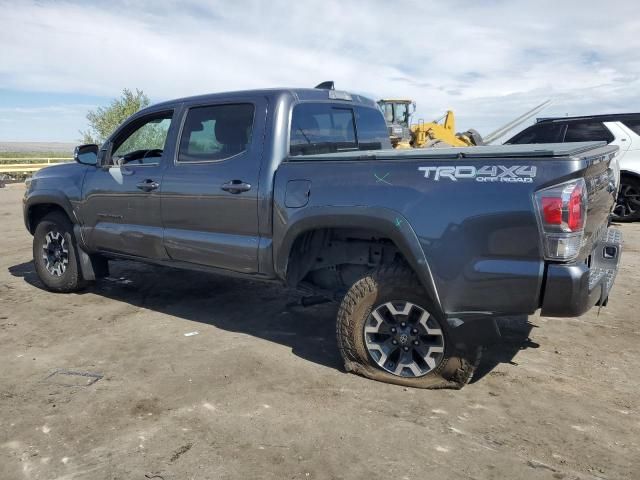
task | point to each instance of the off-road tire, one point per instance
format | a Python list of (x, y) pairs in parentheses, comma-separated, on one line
[(71, 279), (389, 283)]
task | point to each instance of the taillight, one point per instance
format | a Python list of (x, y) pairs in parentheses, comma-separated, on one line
[(562, 213), (552, 210)]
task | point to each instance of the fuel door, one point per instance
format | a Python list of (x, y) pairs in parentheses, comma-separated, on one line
[(297, 193)]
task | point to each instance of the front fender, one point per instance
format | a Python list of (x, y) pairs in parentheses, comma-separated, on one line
[(46, 197), (383, 221)]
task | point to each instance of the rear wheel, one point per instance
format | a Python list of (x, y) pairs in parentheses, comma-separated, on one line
[(54, 254), (627, 207), (387, 331)]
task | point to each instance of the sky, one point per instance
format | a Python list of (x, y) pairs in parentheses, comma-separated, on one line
[(488, 60)]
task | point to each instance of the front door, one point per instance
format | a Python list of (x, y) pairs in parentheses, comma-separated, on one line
[(121, 210), (210, 190)]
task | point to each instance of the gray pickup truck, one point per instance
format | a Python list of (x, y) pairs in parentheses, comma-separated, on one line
[(424, 248)]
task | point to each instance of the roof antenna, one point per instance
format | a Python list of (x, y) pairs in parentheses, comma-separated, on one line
[(328, 85)]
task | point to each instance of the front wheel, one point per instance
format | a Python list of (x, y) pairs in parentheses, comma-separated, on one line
[(387, 331), (55, 254)]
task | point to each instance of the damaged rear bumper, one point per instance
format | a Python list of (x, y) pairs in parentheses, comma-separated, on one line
[(571, 290)]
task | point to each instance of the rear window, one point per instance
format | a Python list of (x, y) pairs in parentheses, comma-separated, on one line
[(373, 133), (587, 132), (633, 125), (329, 128), (539, 133)]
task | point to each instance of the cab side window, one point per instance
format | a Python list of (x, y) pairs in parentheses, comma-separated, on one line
[(318, 128), (322, 128), (372, 129), (587, 132), (216, 132), (550, 132), (144, 142), (633, 124)]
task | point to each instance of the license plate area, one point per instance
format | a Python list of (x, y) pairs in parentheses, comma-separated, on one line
[(604, 260)]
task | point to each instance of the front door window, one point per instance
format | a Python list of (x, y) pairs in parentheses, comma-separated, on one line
[(144, 143)]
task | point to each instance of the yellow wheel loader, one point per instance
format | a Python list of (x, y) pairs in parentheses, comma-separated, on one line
[(440, 132)]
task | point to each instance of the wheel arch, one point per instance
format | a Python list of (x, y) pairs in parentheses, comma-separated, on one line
[(43, 203), (381, 222)]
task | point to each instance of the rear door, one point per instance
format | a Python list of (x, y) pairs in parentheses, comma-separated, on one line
[(621, 137), (210, 189)]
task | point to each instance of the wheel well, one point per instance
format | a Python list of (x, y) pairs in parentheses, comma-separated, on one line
[(38, 212), (332, 259)]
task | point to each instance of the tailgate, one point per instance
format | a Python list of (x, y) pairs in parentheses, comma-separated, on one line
[(601, 182)]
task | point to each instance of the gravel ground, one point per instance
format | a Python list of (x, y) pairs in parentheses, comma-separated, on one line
[(259, 391)]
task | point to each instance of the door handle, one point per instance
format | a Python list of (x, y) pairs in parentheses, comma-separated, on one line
[(148, 185), (236, 186)]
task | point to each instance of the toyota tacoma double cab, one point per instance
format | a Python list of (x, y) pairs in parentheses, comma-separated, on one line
[(425, 248)]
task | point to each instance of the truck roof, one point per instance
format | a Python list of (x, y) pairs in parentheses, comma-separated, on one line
[(607, 117), (300, 94)]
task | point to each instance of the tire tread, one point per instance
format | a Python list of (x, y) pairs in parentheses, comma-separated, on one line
[(453, 372)]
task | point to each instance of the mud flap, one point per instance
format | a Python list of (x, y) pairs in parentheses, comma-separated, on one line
[(470, 332), (469, 335), (92, 266)]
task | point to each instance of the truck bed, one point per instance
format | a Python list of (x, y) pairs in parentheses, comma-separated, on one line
[(472, 211), (487, 151)]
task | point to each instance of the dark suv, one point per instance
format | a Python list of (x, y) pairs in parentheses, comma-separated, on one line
[(622, 129)]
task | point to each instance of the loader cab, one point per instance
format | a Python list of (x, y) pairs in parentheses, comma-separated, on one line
[(397, 111), (397, 114)]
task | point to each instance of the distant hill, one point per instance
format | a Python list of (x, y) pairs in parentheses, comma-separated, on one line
[(63, 148)]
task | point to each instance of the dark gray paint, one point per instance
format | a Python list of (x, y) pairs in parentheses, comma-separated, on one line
[(205, 224), (475, 246)]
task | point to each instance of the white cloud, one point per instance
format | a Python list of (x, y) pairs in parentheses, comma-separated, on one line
[(488, 61)]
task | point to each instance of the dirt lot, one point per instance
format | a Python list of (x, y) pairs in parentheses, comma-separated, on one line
[(259, 392)]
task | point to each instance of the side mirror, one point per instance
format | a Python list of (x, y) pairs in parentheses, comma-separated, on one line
[(86, 154)]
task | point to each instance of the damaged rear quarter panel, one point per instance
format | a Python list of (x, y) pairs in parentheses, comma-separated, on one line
[(480, 239)]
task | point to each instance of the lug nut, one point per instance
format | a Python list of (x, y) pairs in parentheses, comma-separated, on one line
[(416, 342), (393, 329), (394, 341), (403, 324), (406, 349), (414, 331)]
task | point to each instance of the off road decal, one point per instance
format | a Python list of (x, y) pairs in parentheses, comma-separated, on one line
[(486, 173)]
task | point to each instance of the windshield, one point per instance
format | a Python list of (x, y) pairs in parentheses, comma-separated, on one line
[(387, 110), (402, 113)]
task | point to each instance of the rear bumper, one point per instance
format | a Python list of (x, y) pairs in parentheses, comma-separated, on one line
[(571, 290)]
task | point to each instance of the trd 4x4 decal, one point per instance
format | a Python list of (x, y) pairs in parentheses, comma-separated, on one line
[(486, 173)]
